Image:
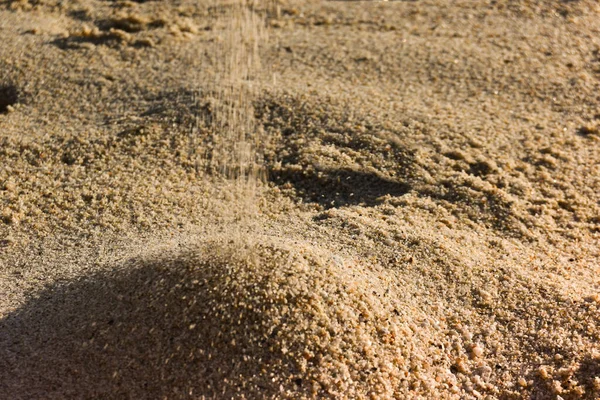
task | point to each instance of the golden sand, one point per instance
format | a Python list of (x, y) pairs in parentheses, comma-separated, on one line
[(299, 199)]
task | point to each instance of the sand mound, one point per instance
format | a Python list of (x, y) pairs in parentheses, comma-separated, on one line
[(266, 320)]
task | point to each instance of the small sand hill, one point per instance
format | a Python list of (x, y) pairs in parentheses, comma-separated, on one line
[(264, 320)]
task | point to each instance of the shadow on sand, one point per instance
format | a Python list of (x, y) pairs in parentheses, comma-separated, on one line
[(153, 332), (339, 187)]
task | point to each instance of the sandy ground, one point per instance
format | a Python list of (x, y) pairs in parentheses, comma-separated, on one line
[(428, 226)]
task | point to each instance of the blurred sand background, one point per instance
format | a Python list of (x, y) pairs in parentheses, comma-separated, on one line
[(411, 208)]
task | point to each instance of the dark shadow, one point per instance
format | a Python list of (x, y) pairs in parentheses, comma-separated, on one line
[(158, 330), (76, 42), (124, 24), (586, 375), (338, 187), (587, 131), (9, 95), (81, 15), (127, 24)]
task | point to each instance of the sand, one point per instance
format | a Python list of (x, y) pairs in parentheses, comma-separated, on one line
[(391, 200)]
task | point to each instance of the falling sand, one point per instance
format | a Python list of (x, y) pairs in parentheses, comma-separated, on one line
[(299, 199)]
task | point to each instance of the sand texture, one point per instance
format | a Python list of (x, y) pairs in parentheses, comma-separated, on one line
[(299, 199)]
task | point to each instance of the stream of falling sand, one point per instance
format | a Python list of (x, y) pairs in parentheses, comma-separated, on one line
[(238, 70)]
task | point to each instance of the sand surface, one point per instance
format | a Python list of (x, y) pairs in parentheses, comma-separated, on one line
[(303, 199)]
